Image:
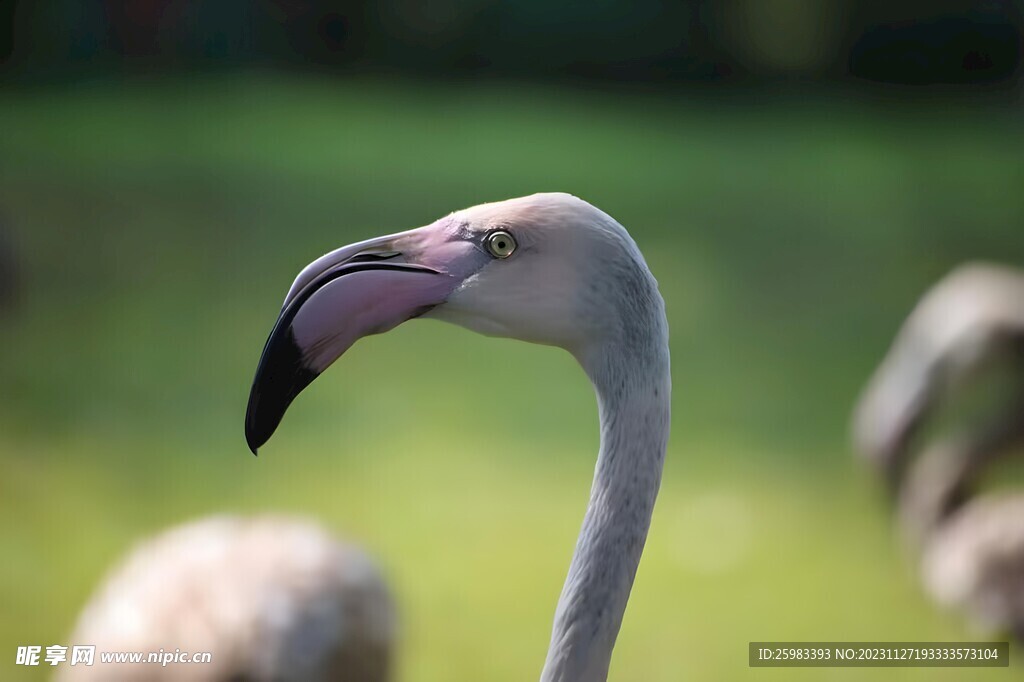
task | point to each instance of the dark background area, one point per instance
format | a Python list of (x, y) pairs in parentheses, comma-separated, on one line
[(723, 44)]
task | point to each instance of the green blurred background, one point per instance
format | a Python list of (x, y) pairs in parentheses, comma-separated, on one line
[(796, 177)]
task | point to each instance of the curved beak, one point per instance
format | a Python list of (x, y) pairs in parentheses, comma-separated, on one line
[(365, 288)]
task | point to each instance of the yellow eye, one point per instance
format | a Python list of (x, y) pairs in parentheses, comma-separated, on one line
[(501, 244)]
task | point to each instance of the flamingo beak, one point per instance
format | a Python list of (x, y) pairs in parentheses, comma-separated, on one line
[(365, 288)]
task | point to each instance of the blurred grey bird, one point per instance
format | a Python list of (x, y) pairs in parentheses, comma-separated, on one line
[(973, 316), (270, 598), (970, 543)]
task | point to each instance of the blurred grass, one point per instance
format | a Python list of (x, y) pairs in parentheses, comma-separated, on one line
[(160, 224)]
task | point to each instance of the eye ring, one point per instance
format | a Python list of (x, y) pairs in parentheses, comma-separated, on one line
[(500, 244)]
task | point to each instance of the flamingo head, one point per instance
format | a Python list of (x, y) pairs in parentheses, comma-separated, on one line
[(546, 268)]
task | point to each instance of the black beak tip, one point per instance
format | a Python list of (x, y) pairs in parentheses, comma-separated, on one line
[(280, 377), (251, 442), (253, 438), (262, 416)]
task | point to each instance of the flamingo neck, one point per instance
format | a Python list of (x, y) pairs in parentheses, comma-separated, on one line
[(633, 394)]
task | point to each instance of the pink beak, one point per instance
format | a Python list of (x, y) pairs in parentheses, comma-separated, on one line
[(365, 288)]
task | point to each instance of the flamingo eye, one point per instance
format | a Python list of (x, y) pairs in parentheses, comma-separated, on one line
[(501, 244)]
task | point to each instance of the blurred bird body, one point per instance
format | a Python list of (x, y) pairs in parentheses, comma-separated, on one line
[(270, 598)]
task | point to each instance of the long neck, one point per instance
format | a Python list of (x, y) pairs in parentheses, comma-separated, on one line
[(633, 394)]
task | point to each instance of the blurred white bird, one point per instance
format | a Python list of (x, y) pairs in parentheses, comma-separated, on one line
[(270, 598), (971, 543)]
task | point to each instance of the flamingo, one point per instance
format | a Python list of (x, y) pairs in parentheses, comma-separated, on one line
[(971, 545), (547, 268), (973, 316), (269, 597)]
